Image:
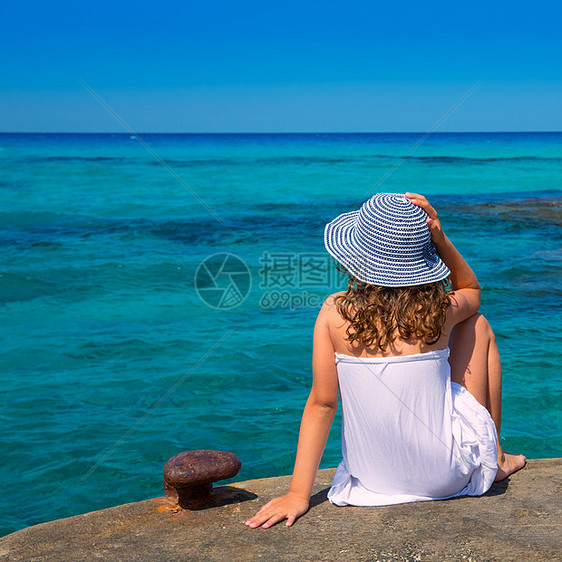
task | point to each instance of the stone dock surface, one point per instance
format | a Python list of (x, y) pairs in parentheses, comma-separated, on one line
[(518, 519)]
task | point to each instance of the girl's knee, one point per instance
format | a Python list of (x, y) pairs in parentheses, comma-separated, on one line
[(477, 326), (481, 326)]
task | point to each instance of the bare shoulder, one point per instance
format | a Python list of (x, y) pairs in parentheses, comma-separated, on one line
[(329, 302), (329, 313), (329, 306)]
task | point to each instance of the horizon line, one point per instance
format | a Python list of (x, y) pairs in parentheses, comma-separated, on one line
[(271, 132)]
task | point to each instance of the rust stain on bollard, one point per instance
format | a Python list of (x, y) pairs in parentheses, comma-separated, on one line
[(189, 476)]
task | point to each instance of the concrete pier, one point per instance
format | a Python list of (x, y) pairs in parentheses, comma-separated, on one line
[(518, 519)]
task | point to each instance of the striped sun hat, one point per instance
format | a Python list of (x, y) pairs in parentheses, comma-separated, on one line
[(386, 242)]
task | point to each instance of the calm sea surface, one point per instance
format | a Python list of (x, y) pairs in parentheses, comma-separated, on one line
[(113, 361)]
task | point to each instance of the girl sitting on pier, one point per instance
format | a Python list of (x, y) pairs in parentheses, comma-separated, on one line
[(416, 365)]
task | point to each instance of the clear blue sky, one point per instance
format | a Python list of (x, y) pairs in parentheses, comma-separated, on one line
[(210, 66)]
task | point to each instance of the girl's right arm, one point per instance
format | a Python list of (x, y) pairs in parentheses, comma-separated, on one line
[(466, 298), (317, 419)]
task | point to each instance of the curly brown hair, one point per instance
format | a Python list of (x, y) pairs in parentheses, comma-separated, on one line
[(378, 315)]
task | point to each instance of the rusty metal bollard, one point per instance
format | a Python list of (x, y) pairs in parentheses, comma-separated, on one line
[(189, 476)]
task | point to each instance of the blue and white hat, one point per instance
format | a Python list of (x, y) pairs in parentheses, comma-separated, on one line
[(387, 242)]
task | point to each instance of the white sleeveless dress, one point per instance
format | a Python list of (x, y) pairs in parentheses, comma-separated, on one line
[(409, 433)]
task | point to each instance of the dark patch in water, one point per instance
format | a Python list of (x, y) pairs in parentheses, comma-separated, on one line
[(293, 160), (93, 350), (544, 211), (363, 159), (279, 160), (13, 183), (267, 221), (469, 160), (33, 159)]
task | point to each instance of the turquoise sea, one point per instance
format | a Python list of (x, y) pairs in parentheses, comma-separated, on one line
[(113, 361)]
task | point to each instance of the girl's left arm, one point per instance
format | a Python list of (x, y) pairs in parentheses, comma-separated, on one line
[(316, 421)]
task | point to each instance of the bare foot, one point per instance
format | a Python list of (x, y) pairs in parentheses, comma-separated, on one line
[(508, 464)]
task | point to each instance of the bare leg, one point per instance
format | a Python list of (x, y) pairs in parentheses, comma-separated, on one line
[(475, 364)]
